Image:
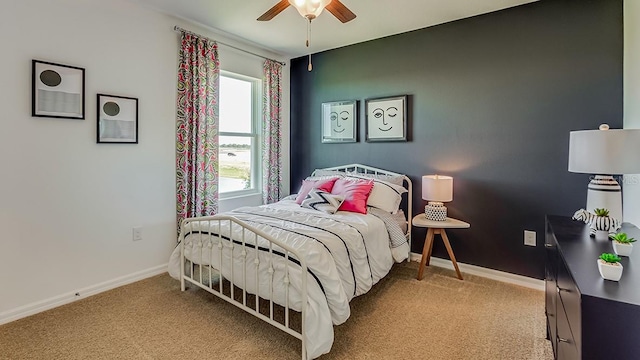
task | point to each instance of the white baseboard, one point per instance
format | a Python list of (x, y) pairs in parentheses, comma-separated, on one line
[(40, 306), (486, 273)]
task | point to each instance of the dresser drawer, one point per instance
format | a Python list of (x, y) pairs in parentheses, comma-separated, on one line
[(566, 348), (550, 310), (571, 301)]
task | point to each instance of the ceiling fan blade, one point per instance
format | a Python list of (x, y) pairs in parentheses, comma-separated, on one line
[(275, 10), (340, 11)]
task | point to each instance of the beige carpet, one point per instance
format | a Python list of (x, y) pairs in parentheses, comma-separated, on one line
[(439, 317)]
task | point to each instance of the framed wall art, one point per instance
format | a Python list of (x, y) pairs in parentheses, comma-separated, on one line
[(340, 122), (117, 119), (386, 119), (57, 91)]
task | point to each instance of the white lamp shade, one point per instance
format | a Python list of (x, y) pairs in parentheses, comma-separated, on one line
[(437, 188), (309, 8), (605, 152)]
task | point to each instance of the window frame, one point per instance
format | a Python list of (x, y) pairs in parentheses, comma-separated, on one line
[(255, 135)]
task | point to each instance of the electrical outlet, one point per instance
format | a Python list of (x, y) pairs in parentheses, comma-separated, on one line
[(530, 238), (137, 233)]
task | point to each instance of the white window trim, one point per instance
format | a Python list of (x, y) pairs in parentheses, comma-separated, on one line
[(256, 168)]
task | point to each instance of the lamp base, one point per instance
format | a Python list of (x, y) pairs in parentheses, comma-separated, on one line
[(435, 211), (604, 192)]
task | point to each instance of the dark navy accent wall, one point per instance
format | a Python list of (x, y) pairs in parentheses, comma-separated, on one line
[(492, 100)]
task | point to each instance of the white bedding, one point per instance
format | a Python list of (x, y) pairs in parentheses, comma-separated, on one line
[(346, 254)]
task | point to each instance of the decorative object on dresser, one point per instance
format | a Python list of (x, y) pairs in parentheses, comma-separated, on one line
[(589, 317), (339, 122), (604, 153), (386, 119), (599, 225), (609, 266), (622, 244), (117, 119), (436, 189), (435, 228), (57, 90)]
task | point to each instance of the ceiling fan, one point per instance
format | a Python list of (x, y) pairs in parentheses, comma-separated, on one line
[(310, 9)]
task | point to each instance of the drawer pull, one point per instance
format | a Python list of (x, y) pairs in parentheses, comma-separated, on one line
[(562, 289), (563, 340), (548, 246)]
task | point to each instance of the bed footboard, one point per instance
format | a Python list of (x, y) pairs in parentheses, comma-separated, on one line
[(247, 268)]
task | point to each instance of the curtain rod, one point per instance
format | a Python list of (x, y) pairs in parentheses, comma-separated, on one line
[(179, 29)]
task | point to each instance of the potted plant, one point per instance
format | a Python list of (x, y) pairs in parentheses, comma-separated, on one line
[(602, 224), (610, 267), (622, 244)]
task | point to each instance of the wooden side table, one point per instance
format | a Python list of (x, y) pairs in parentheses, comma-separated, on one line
[(437, 227)]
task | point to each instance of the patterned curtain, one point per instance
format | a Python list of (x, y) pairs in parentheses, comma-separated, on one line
[(271, 132), (197, 128)]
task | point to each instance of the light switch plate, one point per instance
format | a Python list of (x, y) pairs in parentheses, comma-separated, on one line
[(530, 238), (137, 233)]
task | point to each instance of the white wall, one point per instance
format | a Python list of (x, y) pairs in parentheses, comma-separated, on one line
[(67, 204), (631, 187)]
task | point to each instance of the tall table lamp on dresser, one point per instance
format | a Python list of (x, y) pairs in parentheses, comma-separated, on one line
[(436, 189), (604, 153)]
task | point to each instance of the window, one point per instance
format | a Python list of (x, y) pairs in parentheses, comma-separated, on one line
[(239, 144)]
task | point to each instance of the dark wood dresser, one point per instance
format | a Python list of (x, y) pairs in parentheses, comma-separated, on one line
[(589, 317)]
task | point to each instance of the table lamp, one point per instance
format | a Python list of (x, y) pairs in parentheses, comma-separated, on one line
[(436, 189), (605, 153)]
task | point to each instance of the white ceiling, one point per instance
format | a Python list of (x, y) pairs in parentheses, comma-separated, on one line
[(286, 33)]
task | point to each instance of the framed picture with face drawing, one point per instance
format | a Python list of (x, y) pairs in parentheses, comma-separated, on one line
[(386, 119), (340, 121)]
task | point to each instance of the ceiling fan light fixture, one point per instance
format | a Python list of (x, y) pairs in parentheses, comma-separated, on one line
[(309, 9)]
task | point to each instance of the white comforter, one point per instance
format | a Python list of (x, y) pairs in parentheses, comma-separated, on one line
[(346, 254)]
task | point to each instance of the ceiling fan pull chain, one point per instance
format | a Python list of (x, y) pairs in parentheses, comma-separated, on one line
[(308, 31), (310, 66)]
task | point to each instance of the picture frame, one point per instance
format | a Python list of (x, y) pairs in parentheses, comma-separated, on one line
[(340, 121), (117, 119), (386, 119), (57, 91)]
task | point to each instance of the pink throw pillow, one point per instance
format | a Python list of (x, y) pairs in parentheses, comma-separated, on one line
[(308, 185), (355, 192)]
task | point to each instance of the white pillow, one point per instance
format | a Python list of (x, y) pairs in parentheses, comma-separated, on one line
[(386, 196), (323, 173), (393, 179), (322, 201)]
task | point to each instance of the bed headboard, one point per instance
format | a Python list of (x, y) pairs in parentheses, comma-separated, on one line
[(364, 169)]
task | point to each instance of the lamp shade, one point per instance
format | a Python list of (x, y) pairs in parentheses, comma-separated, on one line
[(605, 152), (437, 188), (309, 8)]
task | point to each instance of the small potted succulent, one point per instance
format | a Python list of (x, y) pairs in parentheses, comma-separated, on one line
[(622, 244), (610, 267), (602, 223)]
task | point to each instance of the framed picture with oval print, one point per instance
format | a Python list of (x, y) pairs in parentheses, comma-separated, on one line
[(386, 119), (57, 91), (340, 122), (117, 119)]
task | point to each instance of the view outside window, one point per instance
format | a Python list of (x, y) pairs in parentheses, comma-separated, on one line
[(238, 136)]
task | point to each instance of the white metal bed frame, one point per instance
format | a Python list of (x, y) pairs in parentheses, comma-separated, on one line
[(206, 241)]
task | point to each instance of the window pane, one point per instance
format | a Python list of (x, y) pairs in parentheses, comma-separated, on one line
[(235, 105), (235, 163)]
